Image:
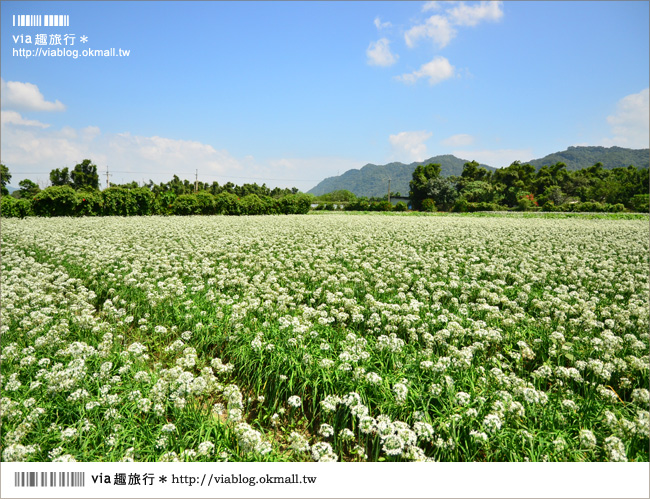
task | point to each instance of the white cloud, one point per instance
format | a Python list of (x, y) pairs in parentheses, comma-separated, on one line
[(459, 140), (436, 71), (496, 157), (440, 27), (471, 15), (306, 172), (34, 148), (379, 53), (411, 143), (630, 122), (381, 25), (13, 117), (133, 157), (436, 27), (21, 96), (433, 5)]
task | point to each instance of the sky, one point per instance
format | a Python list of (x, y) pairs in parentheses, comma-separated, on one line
[(290, 93)]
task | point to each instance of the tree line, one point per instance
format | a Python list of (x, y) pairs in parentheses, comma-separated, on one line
[(524, 188), (518, 187), (76, 192)]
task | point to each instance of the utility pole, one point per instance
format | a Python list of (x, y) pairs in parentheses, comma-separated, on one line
[(196, 181), (107, 175), (389, 190)]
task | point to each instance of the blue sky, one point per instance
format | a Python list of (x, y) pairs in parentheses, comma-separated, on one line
[(289, 93)]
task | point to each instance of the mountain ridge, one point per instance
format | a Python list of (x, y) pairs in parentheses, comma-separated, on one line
[(372, 180)]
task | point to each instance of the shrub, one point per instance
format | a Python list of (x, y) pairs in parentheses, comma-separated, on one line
[(641, 203), (251, 204), (186, 204), (12, 207), (429, 205), (226, 203), (615, 208), (88, 203), (207, 203), (359, 204), (461, 205), (400, 206), (145, 201), (295, 204), (55, 201), (119, 201)]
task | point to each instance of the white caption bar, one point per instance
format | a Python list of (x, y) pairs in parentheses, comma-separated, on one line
[(323, 480)]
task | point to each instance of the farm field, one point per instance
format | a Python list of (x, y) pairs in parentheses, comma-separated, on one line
[(325, 338)]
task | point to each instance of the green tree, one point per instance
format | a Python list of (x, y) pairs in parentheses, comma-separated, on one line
[(85, 175), (419, 188), (443, 192), (60, 177), (28, 189), (5, 177)]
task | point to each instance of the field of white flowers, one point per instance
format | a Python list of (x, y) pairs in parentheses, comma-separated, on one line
[(339, 337)]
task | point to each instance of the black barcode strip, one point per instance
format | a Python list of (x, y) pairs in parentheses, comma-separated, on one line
[(51, 479), (41, 20)]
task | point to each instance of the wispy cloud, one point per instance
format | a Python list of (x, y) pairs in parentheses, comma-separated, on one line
[(435, 71), (495, 157), (459, 140), (381, 25), (437, 28), (20, 96), (440, 27), (13, 117), (471, 15), (629, 125), (379, 53), (411, 143)]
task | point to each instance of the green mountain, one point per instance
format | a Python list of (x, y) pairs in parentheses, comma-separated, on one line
[(372, 180), (579, 157)]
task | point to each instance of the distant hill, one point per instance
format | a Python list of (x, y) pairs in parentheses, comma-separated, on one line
[(579, 157), (372, 180)]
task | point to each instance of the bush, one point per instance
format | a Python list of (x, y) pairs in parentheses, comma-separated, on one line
[(186, 204), (401, 206), (615, 208), (88, 203), (429, 205), (226, 203), (145, 201), (295, 204), (381, 206), (207, 203), (484, 206), (461, 205), (251, 204), (641, 203), (55, 201), (119, 201), (360, 204), (12, 207)]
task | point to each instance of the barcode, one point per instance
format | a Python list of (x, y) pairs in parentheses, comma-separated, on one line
[(41, 20), (49, 479)]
